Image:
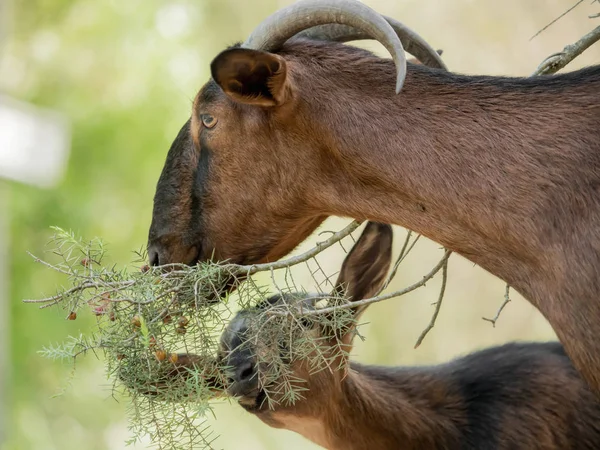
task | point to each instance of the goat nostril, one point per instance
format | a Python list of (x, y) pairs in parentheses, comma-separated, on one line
[(247, 373), (153, 257)]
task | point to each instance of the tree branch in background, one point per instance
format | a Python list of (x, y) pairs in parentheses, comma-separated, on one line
[(502, 306), (557, 61), (594, 16), (437, 304), (557, 19), (376, 299), (285, 263)]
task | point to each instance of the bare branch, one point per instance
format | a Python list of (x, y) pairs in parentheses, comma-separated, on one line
[(50, 266), (506, 301), (438, 305), (82, 287), (403, 254), (284, 263), (376, 299), (557, 19), (557, 61)]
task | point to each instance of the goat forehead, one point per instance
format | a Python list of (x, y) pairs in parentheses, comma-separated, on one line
[(209, 93), (235, 331), (289, 298)]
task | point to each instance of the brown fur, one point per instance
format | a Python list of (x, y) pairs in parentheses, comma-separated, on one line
[(523, 396), (503, 171)]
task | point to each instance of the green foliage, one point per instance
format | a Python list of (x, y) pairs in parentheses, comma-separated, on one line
[(127, 91), (157, 331)]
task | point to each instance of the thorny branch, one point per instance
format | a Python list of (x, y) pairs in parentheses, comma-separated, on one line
[(557, 19), (595, 16), (294, 260), (379, 298), (437, 304), (406, 249), (49, 301), (502, 306), (557, 61)]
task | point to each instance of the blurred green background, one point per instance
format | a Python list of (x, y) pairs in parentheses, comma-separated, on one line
[(124, 72)]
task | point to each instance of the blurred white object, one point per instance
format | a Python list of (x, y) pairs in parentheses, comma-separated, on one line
[(34, 143), (34, 147)]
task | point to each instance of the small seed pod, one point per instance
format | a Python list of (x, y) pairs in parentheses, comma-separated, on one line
[(120, 357), (72, 315), (160, 355), (180, 330), (167, 319), (173, 358), (112, 316), (152, 342), (136, 322), (85, 262), (183, 321), (145, 268)]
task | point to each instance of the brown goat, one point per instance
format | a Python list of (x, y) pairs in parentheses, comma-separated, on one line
[(516, 396), (503, 171)]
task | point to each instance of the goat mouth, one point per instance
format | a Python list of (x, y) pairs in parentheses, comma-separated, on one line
[(253, 402)]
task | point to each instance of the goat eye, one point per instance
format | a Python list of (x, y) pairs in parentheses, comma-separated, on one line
[(208, 121)]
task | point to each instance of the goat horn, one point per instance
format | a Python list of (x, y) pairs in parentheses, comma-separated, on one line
[(276, 29), (411, 41)]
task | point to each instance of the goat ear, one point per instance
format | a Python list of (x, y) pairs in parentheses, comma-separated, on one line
[(251, 76), (365, 268)]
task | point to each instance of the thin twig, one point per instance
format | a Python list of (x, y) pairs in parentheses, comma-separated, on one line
[(368, 301), (81, 287), (403, 254), (41, 261), (318, 248), (438, 305), (557, 61), (557, 19), (506, 302)]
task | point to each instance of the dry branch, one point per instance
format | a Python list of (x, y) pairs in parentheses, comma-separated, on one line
[(557, 61), (367, 301), (557, 19), (294, 260), (437, 304), (502, 306)]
